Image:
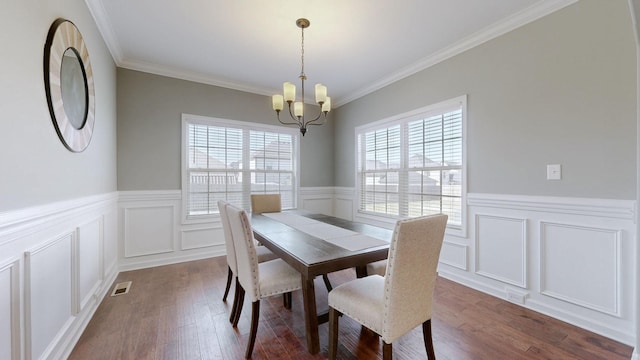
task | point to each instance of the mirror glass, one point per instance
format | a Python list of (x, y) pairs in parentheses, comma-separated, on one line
[(73, 88)]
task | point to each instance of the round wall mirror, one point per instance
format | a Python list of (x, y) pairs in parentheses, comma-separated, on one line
[(69, 85), (73, 88)]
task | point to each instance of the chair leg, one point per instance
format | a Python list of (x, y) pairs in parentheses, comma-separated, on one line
[(387, 351), (327, 283), (334, 316), (428, 339), (236, 296), (255, 314), (240, 302), (229, 279)]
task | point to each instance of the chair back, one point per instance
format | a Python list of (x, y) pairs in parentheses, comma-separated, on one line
[(228, 239), (246, 257), (265, 203), (411, 274)]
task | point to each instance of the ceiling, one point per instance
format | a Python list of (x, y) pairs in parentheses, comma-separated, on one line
[(354, 47)]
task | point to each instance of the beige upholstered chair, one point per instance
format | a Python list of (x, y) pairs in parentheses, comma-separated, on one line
[(265, 203), (262, 252), (401, 300), (377, 268), (258, 280)]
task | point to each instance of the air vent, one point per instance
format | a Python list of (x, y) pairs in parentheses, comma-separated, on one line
[(121, 288)]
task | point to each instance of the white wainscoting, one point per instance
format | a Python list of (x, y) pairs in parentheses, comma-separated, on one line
[(501, 249), (570, 258), (10, 310), (152, 232), (590, 257), (57, 261), (317, 199)]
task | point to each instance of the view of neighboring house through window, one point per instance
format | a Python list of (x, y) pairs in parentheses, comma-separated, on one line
[(230, 160), (413, 164)]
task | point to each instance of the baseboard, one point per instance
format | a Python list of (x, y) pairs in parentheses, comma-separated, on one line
[(148, 263)]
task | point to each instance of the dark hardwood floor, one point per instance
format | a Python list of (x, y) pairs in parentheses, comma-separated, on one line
[(176, 312)]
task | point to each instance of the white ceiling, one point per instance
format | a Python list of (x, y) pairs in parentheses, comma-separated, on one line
[(352, 46)]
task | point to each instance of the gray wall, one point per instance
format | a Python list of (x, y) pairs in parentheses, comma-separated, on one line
[(149, 129), (35, 167), (559, 90)]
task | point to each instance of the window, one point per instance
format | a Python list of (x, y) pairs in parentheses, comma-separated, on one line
[(230, 160), (413, 164)]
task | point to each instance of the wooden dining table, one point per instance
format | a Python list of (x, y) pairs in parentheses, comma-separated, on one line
[(312, 256)]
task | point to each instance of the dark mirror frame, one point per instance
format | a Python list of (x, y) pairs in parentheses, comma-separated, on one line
[(63, 35)]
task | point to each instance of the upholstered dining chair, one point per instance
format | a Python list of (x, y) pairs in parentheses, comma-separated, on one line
[(258, 280), (265, 203), (262, 253), (377, 268), (395, 304)]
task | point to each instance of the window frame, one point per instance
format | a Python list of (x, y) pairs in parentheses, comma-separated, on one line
[(247, 126), (404, 119)]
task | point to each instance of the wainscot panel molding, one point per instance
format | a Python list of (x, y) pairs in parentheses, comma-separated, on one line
[(152, 233), (501, 249), (591, 256), (10, 310), (570, 258), (57, 261), (344, 203), (316, 199)]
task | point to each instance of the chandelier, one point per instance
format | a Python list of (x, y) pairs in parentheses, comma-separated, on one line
[(297, 114)]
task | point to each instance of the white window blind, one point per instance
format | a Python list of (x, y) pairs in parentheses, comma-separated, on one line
[(412, 165), (227, 160)]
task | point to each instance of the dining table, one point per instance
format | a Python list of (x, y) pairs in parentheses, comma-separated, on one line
[(317, 244)]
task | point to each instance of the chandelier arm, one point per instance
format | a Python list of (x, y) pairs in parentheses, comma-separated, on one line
[(284, 122), (296, 121), (295, 118), (313, 122)]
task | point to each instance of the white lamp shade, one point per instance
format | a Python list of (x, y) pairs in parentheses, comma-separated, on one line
[(289, 91), (278, 103), (326, 107), (298, 108), (321, 93)]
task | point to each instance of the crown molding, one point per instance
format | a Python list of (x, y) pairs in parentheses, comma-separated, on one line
[(535, 12), (194, 76), (526, 16), (105, 27)]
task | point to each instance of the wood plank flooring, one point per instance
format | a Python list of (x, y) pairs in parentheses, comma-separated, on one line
[(176, 312)]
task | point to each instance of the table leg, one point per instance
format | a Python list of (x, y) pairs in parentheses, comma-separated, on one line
[(361, 271), (310, 315)]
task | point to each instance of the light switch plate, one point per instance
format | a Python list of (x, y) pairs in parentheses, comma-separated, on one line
[(554, 172)]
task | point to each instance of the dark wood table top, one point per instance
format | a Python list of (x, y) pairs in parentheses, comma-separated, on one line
[(312, 256)]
